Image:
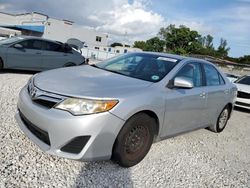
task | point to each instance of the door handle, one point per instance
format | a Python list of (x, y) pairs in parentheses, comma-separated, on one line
[(203, 94), (226, 91), (38, 53)]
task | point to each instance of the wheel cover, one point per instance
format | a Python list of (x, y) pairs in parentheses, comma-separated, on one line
[(135, 141), (223, 118)]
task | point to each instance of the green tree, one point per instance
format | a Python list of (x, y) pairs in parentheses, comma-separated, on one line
[(180, 40), (223, 50), (209, 42), (155, 44), (140, 44), (116, 44), (245, 59)]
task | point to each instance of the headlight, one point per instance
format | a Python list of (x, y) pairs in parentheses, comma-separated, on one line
[(86, 106)]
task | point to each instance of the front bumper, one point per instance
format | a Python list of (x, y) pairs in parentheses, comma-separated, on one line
[(243, 103), (62, 127)]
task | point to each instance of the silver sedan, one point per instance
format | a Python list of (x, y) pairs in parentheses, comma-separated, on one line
[(38, 54), (117, 108)]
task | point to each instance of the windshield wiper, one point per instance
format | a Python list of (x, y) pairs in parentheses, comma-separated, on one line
[(117, 72), (93, 65)]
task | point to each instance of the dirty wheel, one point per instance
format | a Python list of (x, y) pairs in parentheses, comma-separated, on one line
[(134, 140)]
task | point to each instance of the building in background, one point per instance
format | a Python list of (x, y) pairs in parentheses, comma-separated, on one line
[(41, 25), (107, 52)]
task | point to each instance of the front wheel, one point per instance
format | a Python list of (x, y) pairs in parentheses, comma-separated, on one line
[(134, 140)]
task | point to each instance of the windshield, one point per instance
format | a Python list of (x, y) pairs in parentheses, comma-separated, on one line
[(147, 67), (244, 80), (10, 40)]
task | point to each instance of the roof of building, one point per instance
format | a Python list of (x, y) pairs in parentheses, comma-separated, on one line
[(27, 13)]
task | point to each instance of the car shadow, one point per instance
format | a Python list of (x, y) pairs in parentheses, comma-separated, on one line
[(7, 71), (241, 109), (103, 174)]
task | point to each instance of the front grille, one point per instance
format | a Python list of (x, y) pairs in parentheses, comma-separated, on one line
[(243, 95), (39, 133), (45, 103), (76, 145), (43, 98), (242, 104)]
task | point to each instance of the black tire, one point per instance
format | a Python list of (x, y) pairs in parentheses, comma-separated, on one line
[(221, 120), (134, 140), (69, 65), (1, 64)]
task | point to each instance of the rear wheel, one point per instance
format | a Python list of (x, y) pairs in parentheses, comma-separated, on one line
[(221, 121), (134, 140)]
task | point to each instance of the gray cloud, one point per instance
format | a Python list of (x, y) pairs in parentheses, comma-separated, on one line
[(115, 17)]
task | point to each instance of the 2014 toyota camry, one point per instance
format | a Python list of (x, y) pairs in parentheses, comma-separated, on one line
[(115, 109)]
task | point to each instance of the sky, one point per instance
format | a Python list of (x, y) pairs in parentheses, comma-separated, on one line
[(130, 20)]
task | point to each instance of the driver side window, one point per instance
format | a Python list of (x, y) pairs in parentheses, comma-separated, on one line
[(32, 44), (192, 72)]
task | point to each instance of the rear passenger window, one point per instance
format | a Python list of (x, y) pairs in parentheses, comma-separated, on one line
[(32, 44), (213, 77), (50, 46)]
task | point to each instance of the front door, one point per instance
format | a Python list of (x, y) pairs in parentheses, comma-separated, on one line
[(28, 57), (186, 108)]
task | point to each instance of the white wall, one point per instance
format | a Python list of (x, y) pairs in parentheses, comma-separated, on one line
[(56, 29), (20, 19), (97, 54), (7, 19), (30, 19), (62, 31)]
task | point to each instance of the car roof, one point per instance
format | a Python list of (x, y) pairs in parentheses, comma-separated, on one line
[(39, 38), (178, 57)]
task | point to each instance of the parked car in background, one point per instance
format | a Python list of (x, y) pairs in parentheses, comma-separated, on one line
[(34, 53), (232, 77), (117, 108), (2, 38), (243, 96)]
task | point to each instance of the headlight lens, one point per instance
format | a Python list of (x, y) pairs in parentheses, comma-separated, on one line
[(86, 106)]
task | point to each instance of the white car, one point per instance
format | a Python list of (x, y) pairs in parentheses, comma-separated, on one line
[(243, 96), (232, 77)]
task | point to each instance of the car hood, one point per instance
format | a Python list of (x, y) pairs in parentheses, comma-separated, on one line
[(87, 81), (243, 87), (3, 46)]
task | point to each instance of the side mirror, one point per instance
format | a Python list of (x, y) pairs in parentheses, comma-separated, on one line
[(18, 46), (180, 82)]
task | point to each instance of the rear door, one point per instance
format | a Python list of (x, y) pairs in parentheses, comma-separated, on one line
[(217, 92), (54, 56), (29, 57), (186, 108)]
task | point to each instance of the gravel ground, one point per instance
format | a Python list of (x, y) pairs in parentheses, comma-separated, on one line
[(197, 159)]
